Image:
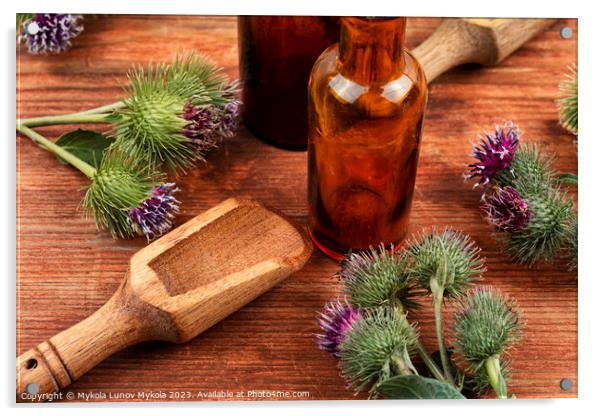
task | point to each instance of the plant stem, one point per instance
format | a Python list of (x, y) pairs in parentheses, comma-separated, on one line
[(428, 361), (105, 108), (73, 160), (437, 304), (496, 379), (400, 366), (569, 179), (77, 118), (424, 355)]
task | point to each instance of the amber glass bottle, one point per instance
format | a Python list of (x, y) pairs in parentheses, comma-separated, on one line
[(276, 57), (367, 97)]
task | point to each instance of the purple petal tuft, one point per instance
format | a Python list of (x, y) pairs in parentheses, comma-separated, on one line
[(506, 210), (209, 124), (353, 263), (494, 153), (154, 216), (51, 32), (336, 320)]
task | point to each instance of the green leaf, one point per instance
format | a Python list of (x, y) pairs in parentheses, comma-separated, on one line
[(87, 145), (417, 387)]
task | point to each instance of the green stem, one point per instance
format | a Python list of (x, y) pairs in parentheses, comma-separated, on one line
[(424, 355), (100, 114), (569, 179), (105, 108), (77, 118), (400, 366), (437, 304), (428, 361), (73, 160), (496, 379)]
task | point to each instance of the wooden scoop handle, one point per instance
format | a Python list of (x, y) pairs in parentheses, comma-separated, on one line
[(482, 41), (54, 364), (177, 287)]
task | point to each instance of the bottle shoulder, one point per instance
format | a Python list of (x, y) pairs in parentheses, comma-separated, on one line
[(326, 65), (326, 81), (326, 78), (414, 69)]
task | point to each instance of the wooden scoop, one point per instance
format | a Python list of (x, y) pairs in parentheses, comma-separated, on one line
[(482, 41), (175, 288)]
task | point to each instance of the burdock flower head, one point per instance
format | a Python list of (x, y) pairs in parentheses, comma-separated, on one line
[(444, 264), (45, 33), (506, 210), (376, 347), (494, 153), (524, 198), (175, 113), (171, 116), (378, 278), (335, 321), (127, 201), (447, 260), (487, 324)]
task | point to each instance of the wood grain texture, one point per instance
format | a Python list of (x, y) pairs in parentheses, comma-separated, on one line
[(66, 269)]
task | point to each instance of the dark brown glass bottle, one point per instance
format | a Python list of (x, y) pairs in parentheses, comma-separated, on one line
[(276, 57), (367, 97)]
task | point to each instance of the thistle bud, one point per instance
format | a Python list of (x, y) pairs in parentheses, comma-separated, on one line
[(447, 256), (373, 344), (487, 324), (377, 278), (175, 113), (128, 202)]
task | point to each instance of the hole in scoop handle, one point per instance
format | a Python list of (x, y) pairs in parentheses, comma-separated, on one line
[(54, 364), (40, 371)]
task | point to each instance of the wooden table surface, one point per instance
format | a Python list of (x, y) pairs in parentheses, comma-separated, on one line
[(66, 269)]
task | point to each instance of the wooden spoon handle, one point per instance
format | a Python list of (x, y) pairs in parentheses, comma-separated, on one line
[(54, 364), (482, 41)]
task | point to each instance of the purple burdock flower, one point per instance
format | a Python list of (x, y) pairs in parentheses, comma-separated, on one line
[(201, 129), (209, 124), (154, 216), (494, 153), (50, 32), (336, 320), (353, 263), (506, 210), (229, 115)]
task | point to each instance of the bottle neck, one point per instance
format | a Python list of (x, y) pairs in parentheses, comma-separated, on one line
[(371, 49)]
